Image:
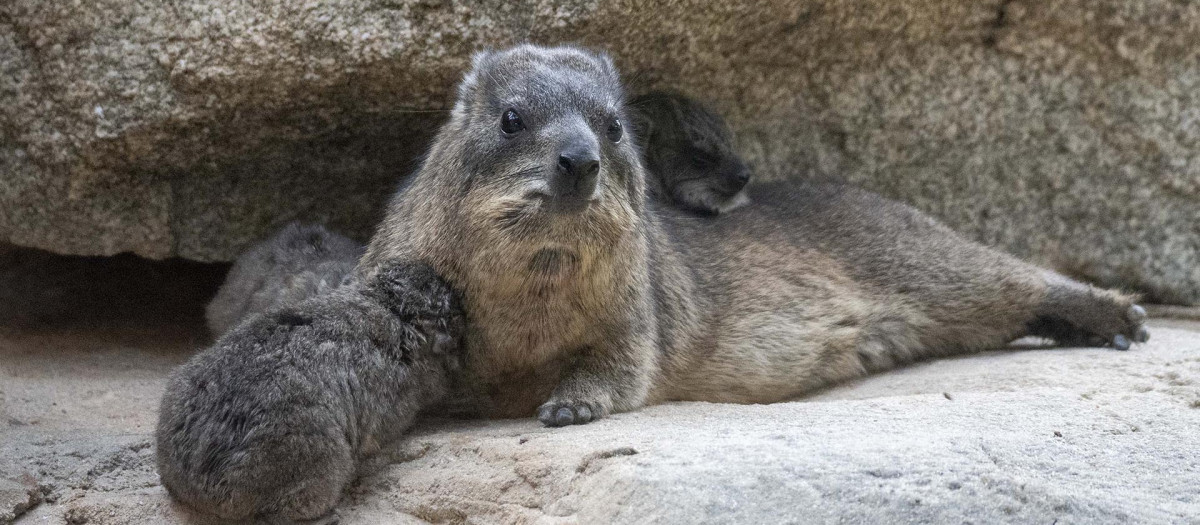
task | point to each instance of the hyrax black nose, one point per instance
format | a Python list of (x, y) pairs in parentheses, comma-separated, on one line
[(579, 161)]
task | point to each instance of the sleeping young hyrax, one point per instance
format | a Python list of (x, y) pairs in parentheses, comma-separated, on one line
[(585, 297), (688, 153), (297, 262), (273, 420)]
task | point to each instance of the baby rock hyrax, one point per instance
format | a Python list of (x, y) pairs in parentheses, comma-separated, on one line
[(297, 262), (273, 420), (688, 153), (585, 298)]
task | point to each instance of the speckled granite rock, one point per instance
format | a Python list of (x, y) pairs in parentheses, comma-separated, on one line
[(1065, 132)]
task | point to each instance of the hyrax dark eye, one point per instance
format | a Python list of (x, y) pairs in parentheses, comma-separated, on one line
[(615, 130), (510, 122)]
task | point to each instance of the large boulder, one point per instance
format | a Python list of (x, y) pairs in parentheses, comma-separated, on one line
[(1065, 132)]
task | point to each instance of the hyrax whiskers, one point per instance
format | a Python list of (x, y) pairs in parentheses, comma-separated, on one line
[(273, 421), (585, 298), (297, 262)]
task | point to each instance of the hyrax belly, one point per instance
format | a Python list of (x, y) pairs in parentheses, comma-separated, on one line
[(777, 331)]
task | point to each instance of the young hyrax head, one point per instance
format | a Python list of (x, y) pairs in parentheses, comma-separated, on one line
[(689, 153), (545, 148)]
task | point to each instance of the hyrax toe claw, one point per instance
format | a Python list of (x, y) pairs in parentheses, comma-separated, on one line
[(583, 414), (1120, 342), (564, 417), (546, 415), (1142, 335), (1136, 314)]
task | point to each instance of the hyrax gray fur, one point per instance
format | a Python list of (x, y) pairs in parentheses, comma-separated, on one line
[(585, 298), (687, 149), (272, 421), (297, 262), (688, 154)]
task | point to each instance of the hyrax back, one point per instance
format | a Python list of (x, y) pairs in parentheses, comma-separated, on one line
[(273, 420), (297, 262), (587, 298), (688, 152)]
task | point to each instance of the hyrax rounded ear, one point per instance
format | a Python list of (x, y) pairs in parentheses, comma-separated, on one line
[(607, 63), (480, 61)]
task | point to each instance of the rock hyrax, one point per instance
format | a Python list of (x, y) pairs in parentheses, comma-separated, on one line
[(274, 419), (686, 147), (297, 262), (688, 153), (585, 298)]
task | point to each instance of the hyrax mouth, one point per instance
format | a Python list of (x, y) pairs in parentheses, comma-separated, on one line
[(539, 205)]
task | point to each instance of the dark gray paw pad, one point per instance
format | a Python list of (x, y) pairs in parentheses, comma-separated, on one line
[(564, 414)]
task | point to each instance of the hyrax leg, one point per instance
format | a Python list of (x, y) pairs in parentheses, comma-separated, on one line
[(615, 378), (1076, 314)]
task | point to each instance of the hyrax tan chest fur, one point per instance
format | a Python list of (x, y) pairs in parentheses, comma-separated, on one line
[(584, 298)]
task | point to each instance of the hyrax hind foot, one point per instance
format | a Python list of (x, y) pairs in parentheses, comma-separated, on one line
[(1076, 314)]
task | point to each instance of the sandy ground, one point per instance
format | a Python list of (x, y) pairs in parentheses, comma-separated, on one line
[(1079, 434), (1035, 435)]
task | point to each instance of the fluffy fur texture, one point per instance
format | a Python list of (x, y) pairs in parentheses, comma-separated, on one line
[(579, 311), (688, 154), (298, 262), (274, 420), (691, 164)]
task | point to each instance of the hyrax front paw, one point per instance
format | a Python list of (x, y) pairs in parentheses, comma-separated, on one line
[(560, 413), (413, 290)]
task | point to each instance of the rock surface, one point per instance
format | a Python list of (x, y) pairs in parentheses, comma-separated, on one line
[(1066, 132), (1035, 436)]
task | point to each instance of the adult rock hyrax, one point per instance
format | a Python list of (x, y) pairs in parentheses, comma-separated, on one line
[(274, 420), (297, 262), (690, 163), (688, 153), (585, 298)]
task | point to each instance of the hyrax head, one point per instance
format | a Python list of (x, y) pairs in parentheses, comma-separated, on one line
[(543, 146), (689, 153)]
